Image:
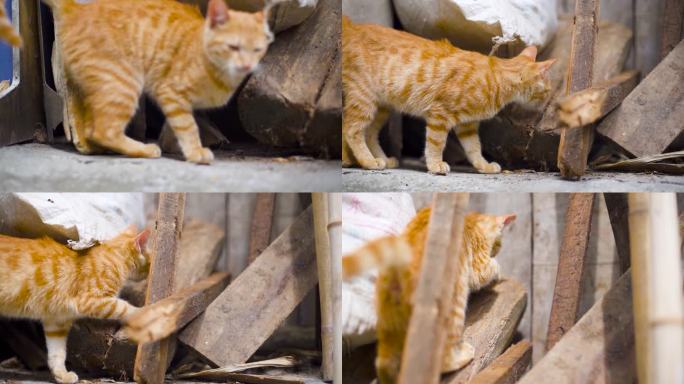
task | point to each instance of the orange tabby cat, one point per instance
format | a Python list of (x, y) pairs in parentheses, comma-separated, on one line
[(114, 50), (399, 259), (44, 280), (385, 69), (7, 32)]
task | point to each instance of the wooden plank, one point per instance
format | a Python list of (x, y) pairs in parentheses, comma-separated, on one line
[(548, 209), (439, 277), (507, 368), (492, 319), (575, 144), (325, 288), (650, 118), (152, 359), (259, 299), (200, 248), (21, 109), (298, 85), (566, 298), (262, 222), (673, 18), (618, 211), (647, 32), (598, 349), (159, 320), (588, 106)]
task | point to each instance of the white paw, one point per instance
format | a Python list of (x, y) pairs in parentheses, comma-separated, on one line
[(438, 168), (392, 162), (67, 378), (375, 164), (152, 151), (200, 156), (485, 167)]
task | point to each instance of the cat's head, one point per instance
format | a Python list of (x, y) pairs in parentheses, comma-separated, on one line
[(534, 77), (133, 245), (484, 233), (236, 41)]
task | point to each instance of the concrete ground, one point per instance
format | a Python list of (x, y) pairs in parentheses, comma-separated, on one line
[(44, 168), (359, 180)]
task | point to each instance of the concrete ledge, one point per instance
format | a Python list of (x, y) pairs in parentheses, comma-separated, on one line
[(38, 167)]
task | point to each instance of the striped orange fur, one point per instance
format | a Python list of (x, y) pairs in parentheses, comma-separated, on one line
[(399, 260), (384, 69), (7, 32), (44, 280), (114, 50)]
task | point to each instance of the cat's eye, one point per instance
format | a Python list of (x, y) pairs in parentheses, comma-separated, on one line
[(258, 50), (234, 47)]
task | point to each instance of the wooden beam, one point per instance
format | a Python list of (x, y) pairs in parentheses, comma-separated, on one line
[(152, 358), (492, 319), (673, 18), (618, 211), (507, 368), (650, 118), (573, 252), (166, 316), (598, 349), (259, 299), (262, 222), (325, 288), (588, 106), (656, 273), (425, 340), (575, 144), (200, 248)]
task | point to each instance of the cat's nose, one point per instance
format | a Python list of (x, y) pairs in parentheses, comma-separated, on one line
[(245, 68)]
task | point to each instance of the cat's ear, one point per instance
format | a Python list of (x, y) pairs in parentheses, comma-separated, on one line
[(544, 66), (141, 240), (217, 13), (529, 53), (507, 219)]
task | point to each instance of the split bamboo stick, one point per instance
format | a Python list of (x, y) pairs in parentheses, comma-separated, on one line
[(335, 236), (325, 288)]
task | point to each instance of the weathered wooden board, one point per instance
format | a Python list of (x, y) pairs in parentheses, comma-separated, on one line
[(200, 248), (373, 12), (618, 211), (298, 86), (507, 368), (492, 318), (598, 349), (259, 299), (673, 20), (440, 276), (573, 252), (262, 222), (210, 208), (169, 315), (650, 118), (153, 358), (21, 109)]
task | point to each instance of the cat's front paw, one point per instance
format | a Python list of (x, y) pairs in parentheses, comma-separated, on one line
[(152, 151), (485, 167), (392, 162), (376, 164), (66, 378), (457, 357), (200, 156), (438, 168)]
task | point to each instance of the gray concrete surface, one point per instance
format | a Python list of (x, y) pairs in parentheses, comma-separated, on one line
[(37, 168), (417, 180)]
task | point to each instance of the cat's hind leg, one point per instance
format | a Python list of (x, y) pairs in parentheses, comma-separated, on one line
[(470, 140), (457, 351), (359, 113), (112, 108), (373, 137), (56, 342)]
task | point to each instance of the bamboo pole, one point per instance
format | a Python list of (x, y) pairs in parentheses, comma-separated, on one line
[(656, 288), (425, 340), (325, 283), (335, 236)]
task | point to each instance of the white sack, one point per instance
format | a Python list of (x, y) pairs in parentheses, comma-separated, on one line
[(81, 219), (367, 216), (471, 24), (369, 12)]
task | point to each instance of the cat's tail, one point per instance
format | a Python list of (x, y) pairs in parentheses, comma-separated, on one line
[(380, 253)]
